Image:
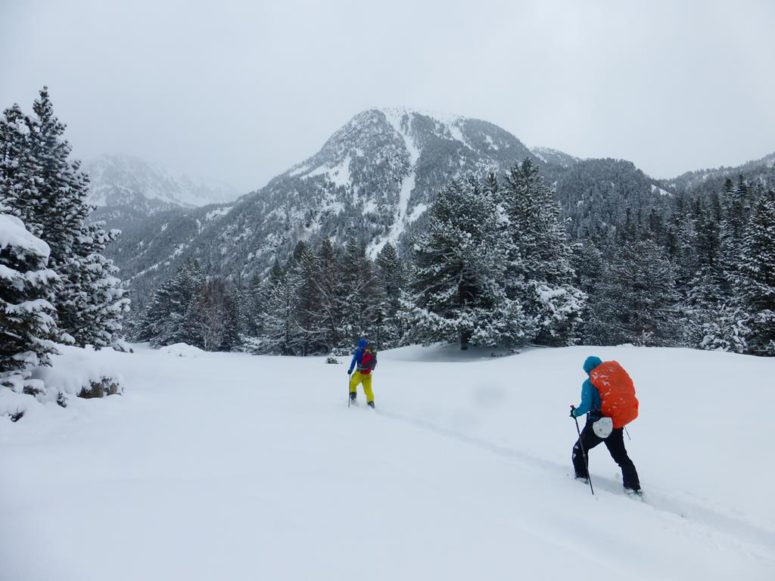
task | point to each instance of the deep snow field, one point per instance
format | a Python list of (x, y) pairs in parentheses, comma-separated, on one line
[(232, 467)]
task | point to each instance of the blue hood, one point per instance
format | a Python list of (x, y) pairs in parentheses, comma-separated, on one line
[(362, 343), (591, 362)]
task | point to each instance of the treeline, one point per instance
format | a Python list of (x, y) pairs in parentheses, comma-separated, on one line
[(318, 300), (494, 266), (701, 274), (55, 284)]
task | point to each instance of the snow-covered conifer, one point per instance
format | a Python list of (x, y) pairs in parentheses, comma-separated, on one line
[(281, 332), (16, 175), (635, 299), (165, 318), (308, 300), (756, 269), (540, 274), (27, 317), (211, 321), (391, 279), (42, 186), (332, 310), (359, 293), (458, 286)]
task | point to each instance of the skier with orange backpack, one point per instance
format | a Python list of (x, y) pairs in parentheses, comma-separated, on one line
[(365, 358), (608, 397)]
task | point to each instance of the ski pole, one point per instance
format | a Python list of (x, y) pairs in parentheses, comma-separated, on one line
[(628, 433), (349, 399), (583, 453)]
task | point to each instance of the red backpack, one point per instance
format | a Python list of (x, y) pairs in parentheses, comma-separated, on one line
[(617, 393), (368, 362)]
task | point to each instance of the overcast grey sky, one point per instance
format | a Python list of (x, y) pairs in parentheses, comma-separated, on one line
[(241, 90)]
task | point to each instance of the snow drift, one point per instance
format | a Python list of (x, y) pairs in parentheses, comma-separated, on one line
[(228, 466)]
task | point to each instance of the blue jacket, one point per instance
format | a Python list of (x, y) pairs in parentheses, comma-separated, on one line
[(358, 355), (590, 397)]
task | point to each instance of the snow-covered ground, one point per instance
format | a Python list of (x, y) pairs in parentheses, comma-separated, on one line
[(229, 466)]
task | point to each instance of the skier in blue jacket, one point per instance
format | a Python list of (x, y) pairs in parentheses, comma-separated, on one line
[(365, 358), (591, 404)]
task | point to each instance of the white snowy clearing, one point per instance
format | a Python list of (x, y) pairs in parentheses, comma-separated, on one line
[(230, 466)]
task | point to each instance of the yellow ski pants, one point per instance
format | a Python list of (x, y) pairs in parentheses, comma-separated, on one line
[(365, 379)]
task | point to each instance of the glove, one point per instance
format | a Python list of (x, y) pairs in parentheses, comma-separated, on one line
[(572, 411), (349, 371)]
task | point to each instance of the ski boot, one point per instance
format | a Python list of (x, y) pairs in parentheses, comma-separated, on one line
[(634, 492)]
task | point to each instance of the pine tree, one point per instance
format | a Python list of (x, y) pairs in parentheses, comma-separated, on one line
[(27, 317), (332, 306), (359, 294), (713, 313), (252, 306), (458, 291), (164, 322), (712, 321), (100, 303), (16, 175), (635, 300), (40, 185), (307, 304), (735, 213), (281, 332), (540, 274), (757, 276), (211, 321), (390, 281), (709, 318)]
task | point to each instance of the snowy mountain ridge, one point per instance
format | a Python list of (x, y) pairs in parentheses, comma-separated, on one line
[(385, 166), (371, 181), (554, 156), (762, 169), (121, 180)]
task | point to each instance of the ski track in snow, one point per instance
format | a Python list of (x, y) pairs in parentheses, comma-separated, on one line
[(225, 465), (701, 515)]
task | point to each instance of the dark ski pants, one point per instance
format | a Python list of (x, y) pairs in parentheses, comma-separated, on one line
[(615, 445)]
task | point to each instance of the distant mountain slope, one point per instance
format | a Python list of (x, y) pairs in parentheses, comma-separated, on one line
[(554, 156), (373, 179), (123, 180), (380, 171), (762, 170), (151, 247), (596, 194)]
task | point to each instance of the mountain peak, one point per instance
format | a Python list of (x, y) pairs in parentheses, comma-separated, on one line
[(382, 169)]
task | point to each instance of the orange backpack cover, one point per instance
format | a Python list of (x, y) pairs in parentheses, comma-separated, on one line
[(617, 392)]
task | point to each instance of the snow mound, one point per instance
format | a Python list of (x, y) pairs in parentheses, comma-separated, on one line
[(461, 472), (182, 350), (74, 369)]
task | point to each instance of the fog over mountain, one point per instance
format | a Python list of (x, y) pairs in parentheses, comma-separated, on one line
[(120, 180), (243, 90)]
